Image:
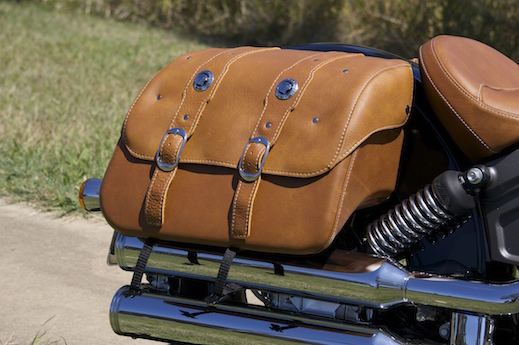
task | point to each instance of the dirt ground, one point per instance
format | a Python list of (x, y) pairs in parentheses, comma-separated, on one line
[(54, 280)]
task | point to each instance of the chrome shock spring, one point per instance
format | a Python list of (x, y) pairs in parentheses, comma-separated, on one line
[(406, 224)]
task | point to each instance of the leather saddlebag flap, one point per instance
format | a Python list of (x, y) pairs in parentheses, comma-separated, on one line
[(263, 149)]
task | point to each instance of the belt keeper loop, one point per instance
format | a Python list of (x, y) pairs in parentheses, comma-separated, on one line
[(165, 166), (248, 176)]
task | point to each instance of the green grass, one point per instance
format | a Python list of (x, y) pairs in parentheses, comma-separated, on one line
[(66, 82)]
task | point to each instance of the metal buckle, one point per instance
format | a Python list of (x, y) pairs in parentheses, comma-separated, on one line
[(253, 177), (165, 166)]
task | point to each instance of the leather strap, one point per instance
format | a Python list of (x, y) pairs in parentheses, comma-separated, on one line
[(182, 127), (264, 136)]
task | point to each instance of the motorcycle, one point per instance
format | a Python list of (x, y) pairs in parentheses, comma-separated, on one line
[(435, 262)]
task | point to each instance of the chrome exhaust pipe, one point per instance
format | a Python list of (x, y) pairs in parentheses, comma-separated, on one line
[(162, 317), (362, 280)]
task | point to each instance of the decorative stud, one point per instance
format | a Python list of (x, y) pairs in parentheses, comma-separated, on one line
[(345, 71), (286, 89), (203, 80), (186, 117), (159, 96), (315, 120), (268, 125)]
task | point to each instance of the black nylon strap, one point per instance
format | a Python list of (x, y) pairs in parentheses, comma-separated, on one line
[(221, 291), (140, 266)]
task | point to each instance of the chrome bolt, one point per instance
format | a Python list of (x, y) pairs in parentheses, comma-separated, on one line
[(445, 330), (420, 317), (474, 176)]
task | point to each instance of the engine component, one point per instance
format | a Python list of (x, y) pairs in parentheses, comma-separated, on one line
[(500, 204)]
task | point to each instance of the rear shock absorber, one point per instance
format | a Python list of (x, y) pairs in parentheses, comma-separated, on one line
[(450, 195)]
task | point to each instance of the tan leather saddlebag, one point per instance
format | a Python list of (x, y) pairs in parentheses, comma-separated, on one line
[(263, 149)]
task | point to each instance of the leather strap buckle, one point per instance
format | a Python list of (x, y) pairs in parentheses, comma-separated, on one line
[(166, 166), (249, 177)]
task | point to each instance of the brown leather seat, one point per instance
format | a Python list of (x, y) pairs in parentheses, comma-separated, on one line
[(474, 91)]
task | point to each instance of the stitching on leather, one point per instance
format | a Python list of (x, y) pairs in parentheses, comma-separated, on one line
[(272, 86), (135, 101), (213, 91), (138, 155), (256, 167), (184, 94), (343, 194), (303, 88), (448, 103), (258, 154), (170, 174), (209, 161), (146, 157), (233, 228), (337, 156), (292, 173), (219, 79), (339, 208), (343, 134), (175, 149), (462, 90), (235, 201), (244, 155), (389, 127), (249, 206), (169, 177), (148, 196)]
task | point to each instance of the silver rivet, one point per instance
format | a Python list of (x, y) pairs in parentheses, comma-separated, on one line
[(188, 58), (186, 117), (203, 80), (345, 71), (286, 89), (159, 96), (315, 120), (268, 125)]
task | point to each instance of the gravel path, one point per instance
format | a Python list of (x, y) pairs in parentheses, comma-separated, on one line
[(54, 279)]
